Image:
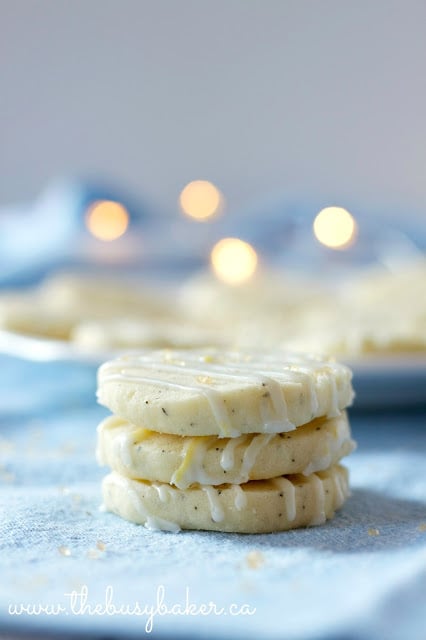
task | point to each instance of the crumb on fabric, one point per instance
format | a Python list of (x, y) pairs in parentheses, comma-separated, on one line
[(64, 551), (255, 559)]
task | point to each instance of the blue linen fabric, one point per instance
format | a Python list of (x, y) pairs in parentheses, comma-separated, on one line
[(362, 575)]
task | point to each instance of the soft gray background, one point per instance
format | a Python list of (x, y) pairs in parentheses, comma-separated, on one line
[(323, 97)]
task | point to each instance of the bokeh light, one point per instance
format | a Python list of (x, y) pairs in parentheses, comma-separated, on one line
[(335, 227), (201, 200), (234, 261), (107, 220)]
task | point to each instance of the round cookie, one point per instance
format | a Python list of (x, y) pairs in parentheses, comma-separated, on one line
[(138, 453), (281, 295), (223, 393), (55, 307), (22, 313), (101, 296), (362, 333), (136, 333), (260, 506)]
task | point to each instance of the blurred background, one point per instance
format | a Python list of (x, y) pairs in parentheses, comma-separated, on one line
[(321, 98), (167, 137)]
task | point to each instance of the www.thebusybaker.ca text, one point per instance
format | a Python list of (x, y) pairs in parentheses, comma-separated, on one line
[(78, 604)]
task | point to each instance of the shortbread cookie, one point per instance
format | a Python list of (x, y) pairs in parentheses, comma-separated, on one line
[(142, 454), (379, 313), (363, 333), (101, 296), (55, 307), (128, 333), (403, 287), (22, 313), (255, 507), (267, 293), (223, 393)]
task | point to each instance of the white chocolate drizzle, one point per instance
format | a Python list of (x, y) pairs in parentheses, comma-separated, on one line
[(334, 399), (340, 493), (150, 521), (164, 491), (335, 444), (216, 511), (227, 458), (191, 470), (288, 490), (252, 451), (240, 499), (125, 444), (318, 463), (292, 371), (160, 524), (318, 500)]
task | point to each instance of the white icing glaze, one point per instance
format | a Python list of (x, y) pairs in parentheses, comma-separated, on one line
[(310, 381), (288, 490), (334, 396), (212, 396), (216, 510), (250, 454), (125, 445), (159, 524), (340, 493), (227, 458), (240, 499), (318, 500), (195, 449), (191, 470), (164, 491), (332, 446), (318, 463), (235, 367), (150, 521), (279, 405)]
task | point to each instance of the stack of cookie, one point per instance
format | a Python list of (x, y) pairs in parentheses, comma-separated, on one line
[(227, 441)]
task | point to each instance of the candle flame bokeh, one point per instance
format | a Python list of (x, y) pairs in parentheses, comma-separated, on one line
[(201, 200), (335, 228), (107, 220), (233, 260)]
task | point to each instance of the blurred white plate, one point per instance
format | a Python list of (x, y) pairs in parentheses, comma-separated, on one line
[(47, 350), (379, 382)]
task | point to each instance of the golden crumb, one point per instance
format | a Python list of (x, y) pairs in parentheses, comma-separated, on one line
[(204, 379), (422, 527), (208, 358), (101, 545), (373, 532), (255, 559), (64, 551)]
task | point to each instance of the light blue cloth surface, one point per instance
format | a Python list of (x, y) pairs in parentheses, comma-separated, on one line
[(330, 581)]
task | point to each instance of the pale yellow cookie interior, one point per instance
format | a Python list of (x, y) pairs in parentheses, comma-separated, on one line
[(223, 393), (260, 506), (139, 453)]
